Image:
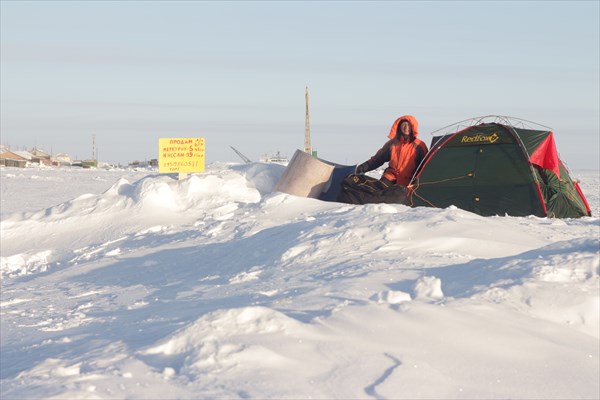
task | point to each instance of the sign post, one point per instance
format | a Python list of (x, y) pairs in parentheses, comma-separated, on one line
[(181, 155)]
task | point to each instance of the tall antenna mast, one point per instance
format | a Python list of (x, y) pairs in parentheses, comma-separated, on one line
[(93, 147), (307, 145)]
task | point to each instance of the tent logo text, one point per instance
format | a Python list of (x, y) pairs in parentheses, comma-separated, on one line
[(480, 138)]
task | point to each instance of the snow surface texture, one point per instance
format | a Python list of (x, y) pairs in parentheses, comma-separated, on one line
[(215, 287)]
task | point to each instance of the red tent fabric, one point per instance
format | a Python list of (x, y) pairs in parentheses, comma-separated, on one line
[(546, 155)]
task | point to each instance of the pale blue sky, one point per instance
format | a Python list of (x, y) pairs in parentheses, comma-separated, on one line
[(130, 72)]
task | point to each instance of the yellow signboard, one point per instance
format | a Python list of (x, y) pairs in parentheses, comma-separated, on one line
[(180, 155)]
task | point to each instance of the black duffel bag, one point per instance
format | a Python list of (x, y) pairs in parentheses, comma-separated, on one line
[(363, 189)]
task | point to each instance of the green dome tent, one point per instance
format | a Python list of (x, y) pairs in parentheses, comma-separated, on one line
[(497, 168)]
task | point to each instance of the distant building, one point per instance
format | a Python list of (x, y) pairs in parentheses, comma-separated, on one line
[(62, 159), (10, 159), (275, 159), (89, 163), (144, 164), (24, 154), (41, 157), (39, 153)]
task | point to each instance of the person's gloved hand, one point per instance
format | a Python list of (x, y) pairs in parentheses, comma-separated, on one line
[(362, 168)]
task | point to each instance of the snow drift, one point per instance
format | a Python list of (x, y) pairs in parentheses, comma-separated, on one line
[(216, 287)]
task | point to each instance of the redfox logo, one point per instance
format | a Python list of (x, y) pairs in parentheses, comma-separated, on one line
[(480, 138)]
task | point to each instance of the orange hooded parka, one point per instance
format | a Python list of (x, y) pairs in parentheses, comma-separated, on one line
[(405, 155)]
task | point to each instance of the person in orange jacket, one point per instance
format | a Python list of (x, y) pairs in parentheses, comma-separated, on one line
[(404, 152)]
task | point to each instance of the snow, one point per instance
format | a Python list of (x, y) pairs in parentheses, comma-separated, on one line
[(130, 284)]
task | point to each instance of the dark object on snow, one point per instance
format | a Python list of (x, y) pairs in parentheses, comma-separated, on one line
[(363, 189), (333, 187), (498, 169)]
